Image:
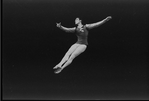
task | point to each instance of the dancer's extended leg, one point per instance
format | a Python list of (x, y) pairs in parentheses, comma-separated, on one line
[(67, 55), (77, 52)]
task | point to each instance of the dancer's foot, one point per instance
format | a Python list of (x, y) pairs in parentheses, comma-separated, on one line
[(57, 66), (58, 70)]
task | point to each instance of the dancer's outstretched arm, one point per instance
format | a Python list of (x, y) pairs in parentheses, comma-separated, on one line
[(93, 25), (64, 28)]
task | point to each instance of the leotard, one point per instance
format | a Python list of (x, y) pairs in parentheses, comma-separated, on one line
[(82, 35)]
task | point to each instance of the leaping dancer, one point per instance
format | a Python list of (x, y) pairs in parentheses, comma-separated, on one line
[(81, 44)]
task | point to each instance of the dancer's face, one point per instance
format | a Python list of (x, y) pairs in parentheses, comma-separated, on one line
[(77, 21)]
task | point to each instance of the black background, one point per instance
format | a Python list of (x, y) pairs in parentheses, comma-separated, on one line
[(114, 66)]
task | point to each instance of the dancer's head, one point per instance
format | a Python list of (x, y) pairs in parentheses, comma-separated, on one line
[(77, 21)]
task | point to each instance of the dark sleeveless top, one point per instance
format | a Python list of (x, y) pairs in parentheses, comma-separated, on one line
[(82, 35)]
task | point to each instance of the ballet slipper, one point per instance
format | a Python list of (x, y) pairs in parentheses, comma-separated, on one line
[(58, 70)]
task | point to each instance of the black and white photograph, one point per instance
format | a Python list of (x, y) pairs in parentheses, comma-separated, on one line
[(75, 49)]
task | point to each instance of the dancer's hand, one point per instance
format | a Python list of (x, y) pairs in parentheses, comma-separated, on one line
[(58, 24), (108, 18)]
